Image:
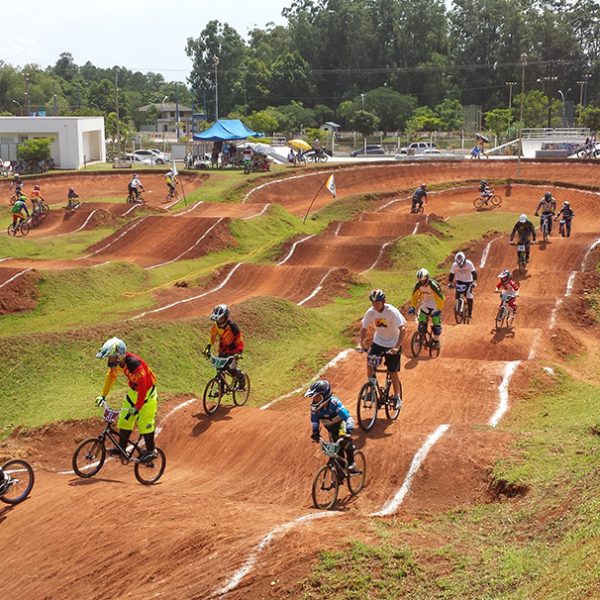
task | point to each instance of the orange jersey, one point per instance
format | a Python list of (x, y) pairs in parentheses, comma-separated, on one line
[(140, 377), (230, 338)]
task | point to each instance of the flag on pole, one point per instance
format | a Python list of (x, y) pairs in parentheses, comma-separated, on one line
[(330, 185), (175, 172)]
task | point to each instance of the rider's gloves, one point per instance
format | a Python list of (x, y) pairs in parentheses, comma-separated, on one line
[(436, 313), (474, 284), (100, 399), (411, 310), (206, 350), (315, 437), (133, 410)]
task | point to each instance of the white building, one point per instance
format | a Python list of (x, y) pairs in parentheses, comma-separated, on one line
[(77, 140)]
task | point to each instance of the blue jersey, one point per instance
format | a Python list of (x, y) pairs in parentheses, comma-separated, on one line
[(333, 414)]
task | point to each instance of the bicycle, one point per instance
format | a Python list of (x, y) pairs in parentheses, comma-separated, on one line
[(522, 257), (564, 227), (545, 225), (39, 214), (417, 208), (588, 151), (72, 206), (223, 384), (90, 454), (372, 396), (314, 156), (424, 338), (21, 227), (330, 476), (18, 481), (172, 195), (133, 199), (494, 200), (505, 314), (461, 312)]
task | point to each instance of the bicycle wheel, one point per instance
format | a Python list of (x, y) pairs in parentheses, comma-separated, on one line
[(168, 197), (35, 219), (240, 397), (500, 317), (89, 457), (496, 200), (24, 227), (390, 410), (434, 350), (459, 315), (323, 158), (522, 263), (510, 317), (45, 209), (367, 406), (478, 203), (213, 392), (10, 230), (148, 473), (356, 481), (325, 487), (416, 343), (4, 173), (582, 153), (21, 480), (545, 230)]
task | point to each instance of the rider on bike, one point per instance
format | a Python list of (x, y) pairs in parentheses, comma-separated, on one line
[(141, 399), (17, 184), (419, 197), (328, 409), (231, 341), (509, 287), (547, 206), (466, 279), (17, 209), (36, 199), (72, 195), (428, 293), (485, 190), (567, 214), (171, 181), (525, 229), (387, 342), (134, 187)]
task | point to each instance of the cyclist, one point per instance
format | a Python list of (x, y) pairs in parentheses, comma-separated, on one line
[(328, 409), (387, 341), (141, 399), (231, 341), (17, 209), (71, 196), (507, 286), (419, 197), (547, 206), (525, 229), (428, 293), (17, 184), (36, 199), (466, 278), (171, 181), (3, 481), (134, 187), (567, 214), (485, 190)]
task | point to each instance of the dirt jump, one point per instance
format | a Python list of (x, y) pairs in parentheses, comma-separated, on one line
[(232, 516)]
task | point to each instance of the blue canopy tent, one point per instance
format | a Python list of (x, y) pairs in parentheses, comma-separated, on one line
[(226, 130)]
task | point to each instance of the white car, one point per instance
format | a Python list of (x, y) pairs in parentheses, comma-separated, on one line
[(138, 160), (156, 156), (417, 148)]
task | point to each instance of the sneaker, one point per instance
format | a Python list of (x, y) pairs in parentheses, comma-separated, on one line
[(397, 402), (240, 384), (114, 452), (148, 456), (435, 343), (353, 469)]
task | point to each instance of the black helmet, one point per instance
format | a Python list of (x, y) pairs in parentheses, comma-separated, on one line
[(377, 295), (320, 391), (547, 196)]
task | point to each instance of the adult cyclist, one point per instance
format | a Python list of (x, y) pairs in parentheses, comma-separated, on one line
[(465, 274), (547, 208), (141, 400), (428, 294), (387, 341), (418, 198), (134, 187), (328, 410), (567, 215), (525, 230)]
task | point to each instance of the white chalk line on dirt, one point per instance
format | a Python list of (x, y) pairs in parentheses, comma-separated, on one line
[(248, 565), (167, 306), (274, 181), (381, 251), (509, 370), (189, 210), (392, 505), (486, 253), (123, 234), (88, 220), (560, 300), (414, 231), (289, 254), (317, 289), (14, 277), (168, 262), (262, 212), (337, 229), (6, 258), (130, 209), (587, 254)]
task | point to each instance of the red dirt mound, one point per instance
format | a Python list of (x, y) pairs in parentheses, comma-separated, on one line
[(18, 290)]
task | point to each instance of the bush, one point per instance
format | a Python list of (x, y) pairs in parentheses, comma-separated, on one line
[(34, 150)]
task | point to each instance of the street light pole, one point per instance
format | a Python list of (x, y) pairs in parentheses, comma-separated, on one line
[(162, 124), (580, 84), (362, 97), (544, 81), (117, 111), (20, 107), (563, 97), (27, 94), (216, 63), (523, 65), (510, 85)]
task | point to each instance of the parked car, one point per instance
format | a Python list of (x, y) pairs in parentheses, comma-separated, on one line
[(430, 154), (371, 149), (137, 159), (156, 156), (417, 148)]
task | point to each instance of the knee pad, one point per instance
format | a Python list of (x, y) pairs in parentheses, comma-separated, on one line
[(423, 327), (437, 330)]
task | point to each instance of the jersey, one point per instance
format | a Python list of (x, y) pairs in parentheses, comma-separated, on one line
[(169, 179), (332, 414), (512, 287), (419, 195), (523, 230), (140, 377), (546, 206), (72, 194), (566, 212), (387, 325), (230, 338), (428, 294), (466, 273), (135, 183), (19, 206)]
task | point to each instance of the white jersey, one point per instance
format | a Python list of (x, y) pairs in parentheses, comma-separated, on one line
[(464, 273), (135, 182), (387, 324)]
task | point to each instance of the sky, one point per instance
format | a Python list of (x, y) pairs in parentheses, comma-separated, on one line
[(142, 35)]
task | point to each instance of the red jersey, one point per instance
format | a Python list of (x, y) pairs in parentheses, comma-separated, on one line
[(508, 288), (139, 377), (230, 338)]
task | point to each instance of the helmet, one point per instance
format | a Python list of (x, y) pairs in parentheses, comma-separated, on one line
[(566, 204), (547, 196), (483, 182), (377, 296), (504, 276), (422, 274), (169, 172), (112, 348), (320, 392), (135, 175), (423, 185), (523, 218), (36, 187), (221, 311), (460, 259)]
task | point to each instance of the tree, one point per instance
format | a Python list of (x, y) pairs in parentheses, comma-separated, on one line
[(364, 122), (291, 78), (498, 120), (424, 119), (590, 117), (262, 121), (103, 96), (392, 108), (34, 150), (450, 113)]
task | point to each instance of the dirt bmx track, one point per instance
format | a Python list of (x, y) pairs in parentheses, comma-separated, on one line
[(233, 511)]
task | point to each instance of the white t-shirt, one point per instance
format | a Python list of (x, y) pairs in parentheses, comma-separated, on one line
[(387, 323), (464, 273)]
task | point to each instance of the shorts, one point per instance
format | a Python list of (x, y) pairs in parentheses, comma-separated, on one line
[(147, 415), (391, 361)]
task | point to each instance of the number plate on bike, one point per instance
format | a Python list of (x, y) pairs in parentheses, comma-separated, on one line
[(110, 415), (521, 248), (373, 360)]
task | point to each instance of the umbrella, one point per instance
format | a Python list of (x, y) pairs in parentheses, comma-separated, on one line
[(299, 144), (482, 137), (261, 148)]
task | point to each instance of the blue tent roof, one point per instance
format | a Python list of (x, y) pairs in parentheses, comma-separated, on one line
[(224, 130)]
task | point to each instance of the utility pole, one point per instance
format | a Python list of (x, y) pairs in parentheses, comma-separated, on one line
[(580, 84), (26, 94), (523, 65), (117, 111), (216, 63)]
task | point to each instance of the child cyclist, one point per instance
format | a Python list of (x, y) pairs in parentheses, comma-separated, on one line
[(506, 285), (36, 199), (71, 198), (231, 341), (171, 181), (428, 294), (328, 409), (18, 208)]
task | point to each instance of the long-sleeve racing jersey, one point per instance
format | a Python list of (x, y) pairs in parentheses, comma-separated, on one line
[(230, 338), (335, 412), (140, 377)]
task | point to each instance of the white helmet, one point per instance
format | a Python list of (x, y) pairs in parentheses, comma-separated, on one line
[(221, 311), (113, 348), (460, 259), (523, 218), (422, 274)]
